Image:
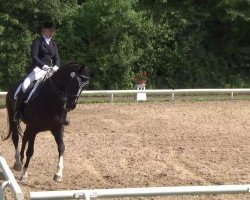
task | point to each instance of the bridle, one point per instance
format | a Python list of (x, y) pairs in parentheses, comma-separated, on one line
[(81, 84), (63, 95)]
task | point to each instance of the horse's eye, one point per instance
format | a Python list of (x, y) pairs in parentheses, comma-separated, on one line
[(72, 74)]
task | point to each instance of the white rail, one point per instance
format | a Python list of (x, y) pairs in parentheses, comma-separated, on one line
[(165, 91), (141, 192), (3, 93), (170, 91), (10, 181)]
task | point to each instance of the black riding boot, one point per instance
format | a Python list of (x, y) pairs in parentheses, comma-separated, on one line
[(19, 107)]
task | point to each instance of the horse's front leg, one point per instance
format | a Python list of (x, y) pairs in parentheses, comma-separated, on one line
[(58, 134), (18, 163)]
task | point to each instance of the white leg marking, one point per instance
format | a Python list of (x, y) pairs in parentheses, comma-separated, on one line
[(60, 167), (25, 173), (18, 163)]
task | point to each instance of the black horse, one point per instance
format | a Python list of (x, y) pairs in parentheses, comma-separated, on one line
[(46, 112)]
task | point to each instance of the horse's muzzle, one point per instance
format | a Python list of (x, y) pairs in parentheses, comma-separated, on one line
[(71, 107)]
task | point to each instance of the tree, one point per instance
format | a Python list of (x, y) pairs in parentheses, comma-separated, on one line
[(181, 44), (19, 25), (197, 42), (109, 36)]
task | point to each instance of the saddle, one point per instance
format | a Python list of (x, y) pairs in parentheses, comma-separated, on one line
[(32, 91), (29, 94), (22, 99)]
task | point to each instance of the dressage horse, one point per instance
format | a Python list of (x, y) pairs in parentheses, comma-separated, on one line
[(46, 112)]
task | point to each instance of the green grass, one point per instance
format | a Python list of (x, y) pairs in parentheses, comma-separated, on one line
[(2, 102), (130, 98)]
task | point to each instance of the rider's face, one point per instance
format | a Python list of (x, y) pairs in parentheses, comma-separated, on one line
[(48, 32)]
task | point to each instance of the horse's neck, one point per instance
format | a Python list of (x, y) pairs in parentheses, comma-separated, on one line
[(50, 96), (58, 80)]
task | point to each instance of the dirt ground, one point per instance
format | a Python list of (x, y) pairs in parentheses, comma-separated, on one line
[(118, 145)]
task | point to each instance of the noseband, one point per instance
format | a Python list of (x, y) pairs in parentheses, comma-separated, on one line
[(63, 95), (81, 84)]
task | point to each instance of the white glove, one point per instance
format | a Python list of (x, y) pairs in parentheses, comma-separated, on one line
[(46, 67), (55, 68)]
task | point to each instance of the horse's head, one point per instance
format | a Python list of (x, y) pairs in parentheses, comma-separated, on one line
[(77, 80), (73, 79)]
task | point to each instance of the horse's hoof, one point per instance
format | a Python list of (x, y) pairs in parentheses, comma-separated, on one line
[(57, 178), (23, 179), (18, 166)]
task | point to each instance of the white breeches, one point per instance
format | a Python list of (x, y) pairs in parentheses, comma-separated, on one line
[(37, 74)]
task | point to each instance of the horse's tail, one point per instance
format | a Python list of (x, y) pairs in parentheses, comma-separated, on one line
[(8, 128), (12, 126)]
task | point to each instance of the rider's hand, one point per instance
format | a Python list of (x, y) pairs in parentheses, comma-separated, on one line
[(55, 68), (46, 67)]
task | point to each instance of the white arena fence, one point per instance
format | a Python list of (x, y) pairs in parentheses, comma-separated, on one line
[(9, 181), (141, 192), (171, 92)]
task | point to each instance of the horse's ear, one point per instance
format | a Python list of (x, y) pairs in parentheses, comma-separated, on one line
[(85, 71), (83, 66)]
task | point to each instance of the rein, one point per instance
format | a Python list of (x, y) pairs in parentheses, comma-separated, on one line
[(61, 94), (64, 95)]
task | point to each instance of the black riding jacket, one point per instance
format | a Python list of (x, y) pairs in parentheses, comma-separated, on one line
[(44, 54)]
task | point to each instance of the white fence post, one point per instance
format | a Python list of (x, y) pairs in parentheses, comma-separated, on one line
[(172, 97), (2, 189), (141, 95), (112, 97), (11, 181)]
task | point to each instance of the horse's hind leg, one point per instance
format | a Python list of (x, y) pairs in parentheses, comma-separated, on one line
[(24, 142), (58, 134), (13, 129), (29, 136), (18, 163), (15, 140)]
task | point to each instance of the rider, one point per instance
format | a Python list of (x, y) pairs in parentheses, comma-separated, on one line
[(44, 55)]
